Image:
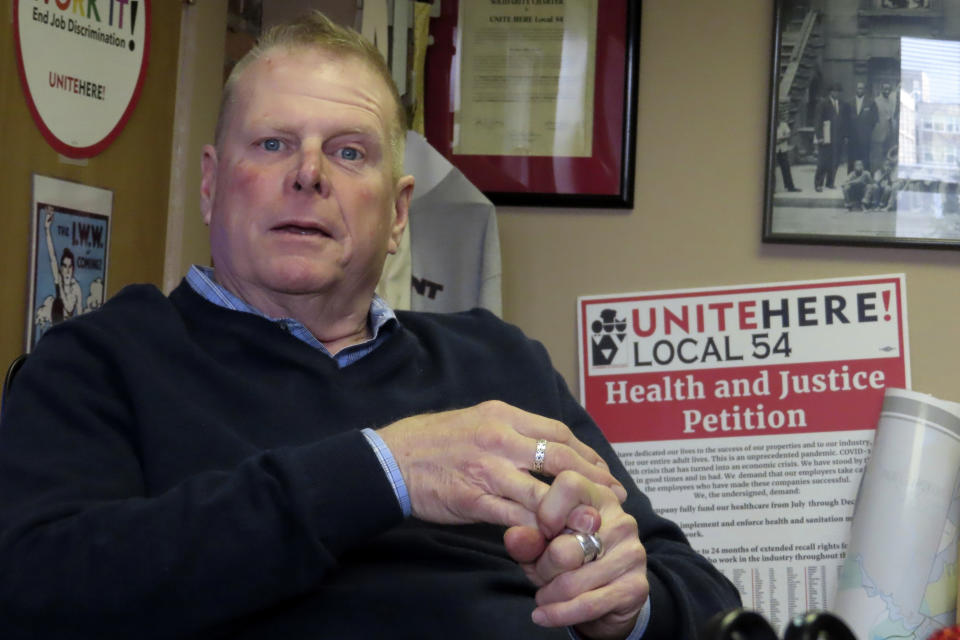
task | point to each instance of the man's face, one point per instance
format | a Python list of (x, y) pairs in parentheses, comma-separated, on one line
[(299, 194), (885, 88), (834, 93), (858, 166), (861, 89)]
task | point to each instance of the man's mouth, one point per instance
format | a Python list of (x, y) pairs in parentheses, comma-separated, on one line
[(303, 230)]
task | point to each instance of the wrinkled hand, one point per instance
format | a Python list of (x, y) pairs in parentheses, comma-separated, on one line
[(602, 598), (472, 465)]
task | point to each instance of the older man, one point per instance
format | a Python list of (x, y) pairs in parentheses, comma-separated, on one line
[(271, 452)]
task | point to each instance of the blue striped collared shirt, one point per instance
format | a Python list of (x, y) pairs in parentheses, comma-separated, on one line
[(382, 321)]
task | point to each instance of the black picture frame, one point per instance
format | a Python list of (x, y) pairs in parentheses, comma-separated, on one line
[(901, 51), (606, 178)]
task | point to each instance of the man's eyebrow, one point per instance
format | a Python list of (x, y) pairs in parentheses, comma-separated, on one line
[(284, 126), (264, 126), (367, 132)]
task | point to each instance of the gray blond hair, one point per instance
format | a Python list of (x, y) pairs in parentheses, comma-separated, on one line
[(315, 31)]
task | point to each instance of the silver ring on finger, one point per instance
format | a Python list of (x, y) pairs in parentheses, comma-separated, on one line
[(539, 455), (591, 545)]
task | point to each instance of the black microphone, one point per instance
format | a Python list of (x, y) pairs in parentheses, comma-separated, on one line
[(738, 624), (817, 625)]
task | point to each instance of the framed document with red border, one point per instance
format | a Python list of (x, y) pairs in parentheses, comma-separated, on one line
[(535, 100)]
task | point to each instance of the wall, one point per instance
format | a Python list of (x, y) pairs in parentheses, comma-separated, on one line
[(136, 167), (199, 87), (704, 88), (340, 11), (704, 91)]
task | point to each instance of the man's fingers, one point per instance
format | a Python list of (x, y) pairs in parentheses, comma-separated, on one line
[(609, 591), (624, 562), (569, 491), (617, 605), (560, 457), (589, 606), (518, 433), (566, 437), (472, 465), (605, 594), (524, 544), (534, 426), (584, 519), (562, 555), (498, 478), (506, 495), (496, 510)]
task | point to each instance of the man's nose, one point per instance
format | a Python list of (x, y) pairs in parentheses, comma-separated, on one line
[(311, 172)]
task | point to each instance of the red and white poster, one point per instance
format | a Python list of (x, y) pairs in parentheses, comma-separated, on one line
[(747, 415)]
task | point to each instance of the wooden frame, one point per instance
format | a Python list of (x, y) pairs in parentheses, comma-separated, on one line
[(603, 175)]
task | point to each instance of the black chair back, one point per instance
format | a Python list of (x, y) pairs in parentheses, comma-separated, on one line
[(8, 380)]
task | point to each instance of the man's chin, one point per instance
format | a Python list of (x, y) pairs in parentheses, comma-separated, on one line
[(302, 285), (297, 276)]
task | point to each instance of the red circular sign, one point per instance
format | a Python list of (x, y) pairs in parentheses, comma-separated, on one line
[(81, 65)]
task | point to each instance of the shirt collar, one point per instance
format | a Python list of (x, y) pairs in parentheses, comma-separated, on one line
[(381, 316)]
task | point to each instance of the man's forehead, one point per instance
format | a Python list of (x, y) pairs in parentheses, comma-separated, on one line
[(318, 74)]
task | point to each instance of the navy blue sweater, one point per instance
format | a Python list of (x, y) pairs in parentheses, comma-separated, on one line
[(169, 468)]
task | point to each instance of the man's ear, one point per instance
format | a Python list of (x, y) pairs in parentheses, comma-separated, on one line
[(401, 211), (208, 181)]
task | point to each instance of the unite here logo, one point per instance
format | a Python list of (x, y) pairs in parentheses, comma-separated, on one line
[(608, 334)]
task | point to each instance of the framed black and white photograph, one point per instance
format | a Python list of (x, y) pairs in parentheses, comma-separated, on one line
[(864, 123)]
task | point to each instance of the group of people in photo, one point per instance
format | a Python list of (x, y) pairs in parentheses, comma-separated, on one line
[(861, 133)]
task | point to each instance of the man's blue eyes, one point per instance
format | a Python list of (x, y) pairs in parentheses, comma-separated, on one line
[(350, 154)]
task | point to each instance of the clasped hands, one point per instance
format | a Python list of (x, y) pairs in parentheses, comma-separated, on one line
[(473, 465)]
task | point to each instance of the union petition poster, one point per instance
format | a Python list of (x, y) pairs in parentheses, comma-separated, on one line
[(747, 414)]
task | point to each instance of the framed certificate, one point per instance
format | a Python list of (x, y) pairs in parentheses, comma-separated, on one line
[(535, 101)]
